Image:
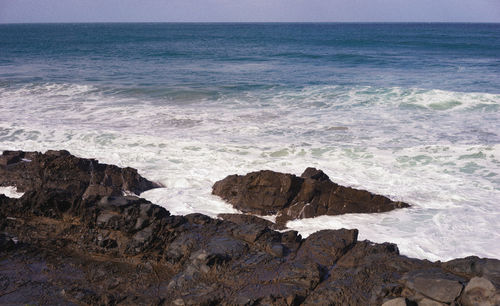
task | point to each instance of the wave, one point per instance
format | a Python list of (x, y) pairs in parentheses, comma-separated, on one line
[(250, 94), (317, 108)]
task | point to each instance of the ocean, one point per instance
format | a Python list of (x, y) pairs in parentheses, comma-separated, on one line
[(409, 111)]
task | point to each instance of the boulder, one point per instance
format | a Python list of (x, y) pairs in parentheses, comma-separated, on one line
[(474, 266), (435, 284), (291, 197), (263, 192), (429, 302), (395, 302), (480, 291)]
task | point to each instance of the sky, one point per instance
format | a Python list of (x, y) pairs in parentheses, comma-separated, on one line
[(26, 11)]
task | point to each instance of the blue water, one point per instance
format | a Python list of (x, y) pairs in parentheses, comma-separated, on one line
[(235, 57), (410, 111)]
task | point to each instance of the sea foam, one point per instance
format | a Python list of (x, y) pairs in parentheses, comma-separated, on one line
[(11, 192)]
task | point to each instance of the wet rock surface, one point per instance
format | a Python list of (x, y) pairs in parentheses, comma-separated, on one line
[(109, 249), (61, 170), (246, 219), (290, 197)]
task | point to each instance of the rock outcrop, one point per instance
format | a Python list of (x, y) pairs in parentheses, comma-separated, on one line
[(290, 197), (110, 249), (63, 171)]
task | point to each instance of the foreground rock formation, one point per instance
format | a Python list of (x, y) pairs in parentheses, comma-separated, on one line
[(290, 197), (81, 246)]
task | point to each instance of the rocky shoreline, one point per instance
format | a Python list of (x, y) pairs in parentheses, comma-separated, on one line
[(76, 237)]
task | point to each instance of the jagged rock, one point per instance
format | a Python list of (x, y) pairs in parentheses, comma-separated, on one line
[(61, 170), (375, 268), (245, 219), (327, 246), (474, 266), (59, 247), (366, 251), (291, 197)]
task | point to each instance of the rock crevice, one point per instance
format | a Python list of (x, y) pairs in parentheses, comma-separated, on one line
[(108, 249)]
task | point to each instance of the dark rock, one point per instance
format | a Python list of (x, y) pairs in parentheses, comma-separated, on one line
[(475, 266), (58, 246), (434, 284), (368, 252), (276, 249), (264, 192), (327, 246), (224, 248), (198, 218), (249, 232), (61, 170), (9, 158), (7, 243), (241, 219), (291, 197), (315, 174)]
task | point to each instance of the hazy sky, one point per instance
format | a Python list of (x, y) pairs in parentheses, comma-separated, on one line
[(248, 10)]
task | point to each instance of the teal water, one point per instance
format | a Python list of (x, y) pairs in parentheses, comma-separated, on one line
[(153, 58), (410, 111)]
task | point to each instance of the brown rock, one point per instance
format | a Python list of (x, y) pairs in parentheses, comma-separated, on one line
[(241, 219), (264, 192), (395, 302), (429, 302), (327, 246), (433, 283), (474, 266), (291, 197), (61, 170), (479, 291), (59, 249)]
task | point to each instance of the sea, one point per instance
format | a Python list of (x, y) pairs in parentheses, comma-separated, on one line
[(407, 110)]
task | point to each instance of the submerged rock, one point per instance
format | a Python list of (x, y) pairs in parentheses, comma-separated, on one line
[(290, 197), (58, 247)]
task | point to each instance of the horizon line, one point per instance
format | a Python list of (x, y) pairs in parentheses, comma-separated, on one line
[(253, 22)]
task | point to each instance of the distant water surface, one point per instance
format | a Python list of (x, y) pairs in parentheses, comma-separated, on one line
[(411, 111)]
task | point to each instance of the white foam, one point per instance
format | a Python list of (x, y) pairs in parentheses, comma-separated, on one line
[(442, 160), (183, 202), (11, 192)]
